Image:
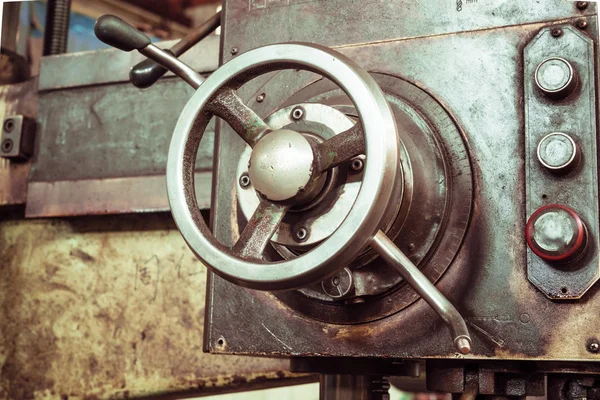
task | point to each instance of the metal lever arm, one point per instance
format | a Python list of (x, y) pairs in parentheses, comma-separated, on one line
[(147, 72), (415, 278), (118, 33)]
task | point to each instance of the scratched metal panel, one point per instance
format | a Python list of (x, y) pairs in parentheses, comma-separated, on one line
[(252, 23), (478, 77), (110, 131), (109, 307)]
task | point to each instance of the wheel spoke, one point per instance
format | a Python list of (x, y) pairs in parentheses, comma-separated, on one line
[(259, 230), (342, 147), (246, 123)]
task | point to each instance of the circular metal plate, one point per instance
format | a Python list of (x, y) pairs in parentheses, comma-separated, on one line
[(325, 122), (432, 219)]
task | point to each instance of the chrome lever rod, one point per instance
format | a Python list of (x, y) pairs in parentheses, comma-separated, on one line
[(174, 65), (418, 281), (120, 34)]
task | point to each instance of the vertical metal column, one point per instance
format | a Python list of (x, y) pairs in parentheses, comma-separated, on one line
[(354, 387), (57, 27)]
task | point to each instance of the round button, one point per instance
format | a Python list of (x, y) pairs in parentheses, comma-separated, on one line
[(555, 77), (557, 152), (556, 233)]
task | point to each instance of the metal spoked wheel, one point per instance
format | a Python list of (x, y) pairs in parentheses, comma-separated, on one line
[(243, 263)]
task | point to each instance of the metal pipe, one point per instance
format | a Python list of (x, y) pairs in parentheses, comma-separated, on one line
[(353, 387), (415, 278), (57, 27), (175, 65)]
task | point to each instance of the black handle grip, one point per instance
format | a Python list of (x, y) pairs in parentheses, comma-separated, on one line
[(147, 72), (118, 33)]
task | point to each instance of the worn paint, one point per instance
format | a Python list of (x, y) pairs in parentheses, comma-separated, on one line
[(109, 307)]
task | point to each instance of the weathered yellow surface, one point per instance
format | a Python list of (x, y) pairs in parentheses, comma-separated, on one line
[(109, 307)]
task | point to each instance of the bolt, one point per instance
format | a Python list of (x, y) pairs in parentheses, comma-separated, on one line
[(594, 347), (234, 51), (245, 180), (357, 164), (7, 145), (339, 285), (301, 234), (261, 97), (9, 125), (557, 32), (297, 113), (582, 5), (582, 24)]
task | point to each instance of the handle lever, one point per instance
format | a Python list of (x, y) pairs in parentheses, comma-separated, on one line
[(419, 282), (147, 72), (118, 33)]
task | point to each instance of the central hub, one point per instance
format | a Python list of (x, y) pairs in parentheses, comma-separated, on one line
[(281, 165)]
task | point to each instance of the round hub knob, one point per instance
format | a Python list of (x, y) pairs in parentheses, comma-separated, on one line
[(556, 233), (555, 77), (281, 165), (557, 152)]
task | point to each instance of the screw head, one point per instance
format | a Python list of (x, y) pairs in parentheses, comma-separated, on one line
[(557, 32), (9, 125), (357, 164), (234, 51), (7, 145), (298, 113), (301, 234), (582, 5), (261, 97), (594, 347), (582, 24), (245, 180)]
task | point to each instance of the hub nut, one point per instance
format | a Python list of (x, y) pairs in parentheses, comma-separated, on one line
[(340, 285)]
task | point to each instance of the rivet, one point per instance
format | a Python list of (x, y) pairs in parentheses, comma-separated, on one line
[(261, 97), (298, 113), (245, 180), (557, 32), (582, 24), (234, 51), (594, 347), (301, 234), (582, 5), (357, 164)]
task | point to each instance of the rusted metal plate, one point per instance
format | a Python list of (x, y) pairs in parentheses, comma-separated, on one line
[(108, 196), (16, 99), (478, 77), (110, 307)]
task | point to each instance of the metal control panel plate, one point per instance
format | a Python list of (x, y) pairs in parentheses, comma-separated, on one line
[(560, 122), (472, 62)]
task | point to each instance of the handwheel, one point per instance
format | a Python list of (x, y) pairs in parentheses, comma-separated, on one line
[(287, 170)]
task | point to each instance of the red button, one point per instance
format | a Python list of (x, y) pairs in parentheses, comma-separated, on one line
[(556, 233)]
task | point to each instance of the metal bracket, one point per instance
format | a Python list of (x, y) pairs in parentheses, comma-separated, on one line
[(574, 114), (17, 137)]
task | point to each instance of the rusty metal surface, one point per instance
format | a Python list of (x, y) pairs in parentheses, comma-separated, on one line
[(110, 307), (478, 77), (16, 99), (100, 137)]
